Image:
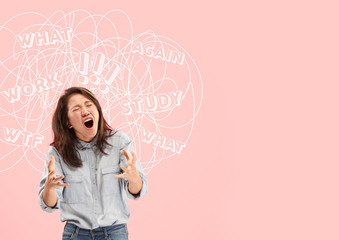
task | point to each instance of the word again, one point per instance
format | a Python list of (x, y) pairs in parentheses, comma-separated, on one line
[(161, 141), (29, 89), (27, 138), (152, 103), (44, 37), (160, 53)]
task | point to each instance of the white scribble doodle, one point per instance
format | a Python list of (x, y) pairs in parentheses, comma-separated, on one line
[(147, 84)]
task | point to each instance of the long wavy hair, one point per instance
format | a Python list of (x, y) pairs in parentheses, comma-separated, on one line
[(65, 139)]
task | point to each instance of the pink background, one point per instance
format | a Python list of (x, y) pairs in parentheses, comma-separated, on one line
[(262, 160)]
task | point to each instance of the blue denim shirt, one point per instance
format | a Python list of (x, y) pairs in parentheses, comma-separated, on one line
[(94, 198)]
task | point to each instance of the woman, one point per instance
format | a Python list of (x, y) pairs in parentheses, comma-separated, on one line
[(89, 174)]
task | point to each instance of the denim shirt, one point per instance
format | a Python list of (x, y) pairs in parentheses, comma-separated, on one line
[(94, 198)]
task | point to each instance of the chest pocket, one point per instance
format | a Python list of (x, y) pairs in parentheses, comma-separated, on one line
[(110, 184), (76, 192)]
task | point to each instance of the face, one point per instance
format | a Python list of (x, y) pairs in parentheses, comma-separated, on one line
[(83, 117)]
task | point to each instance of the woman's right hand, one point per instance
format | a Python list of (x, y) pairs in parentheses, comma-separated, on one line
[(52, 182)]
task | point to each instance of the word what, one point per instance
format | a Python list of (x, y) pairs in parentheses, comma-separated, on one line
[(161, 141), (44, 38)]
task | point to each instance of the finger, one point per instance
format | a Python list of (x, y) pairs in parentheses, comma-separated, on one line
[(120, 176), (124, 168), (63, 184), (59, 178), (51, 164), (126, 154), (51, 173), (131, 165), (134, 157)]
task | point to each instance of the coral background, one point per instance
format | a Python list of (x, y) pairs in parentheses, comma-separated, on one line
[(262, 159)]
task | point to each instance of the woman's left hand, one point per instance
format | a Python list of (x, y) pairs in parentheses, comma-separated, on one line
[(130, 173)]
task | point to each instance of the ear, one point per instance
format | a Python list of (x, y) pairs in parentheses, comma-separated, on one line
[(69, 125)]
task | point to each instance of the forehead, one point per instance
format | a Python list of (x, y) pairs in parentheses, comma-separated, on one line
[(77, 99)]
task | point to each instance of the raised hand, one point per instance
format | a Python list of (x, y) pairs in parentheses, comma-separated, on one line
[(130, 173), (52, 181)]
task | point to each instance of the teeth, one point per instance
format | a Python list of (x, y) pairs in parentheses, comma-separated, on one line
[(88, 120)]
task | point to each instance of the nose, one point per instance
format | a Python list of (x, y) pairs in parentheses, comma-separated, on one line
[(85, 112)]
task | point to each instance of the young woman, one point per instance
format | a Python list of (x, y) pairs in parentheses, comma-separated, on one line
[(89, 174)]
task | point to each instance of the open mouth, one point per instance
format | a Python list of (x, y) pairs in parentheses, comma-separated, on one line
[(89, 123)]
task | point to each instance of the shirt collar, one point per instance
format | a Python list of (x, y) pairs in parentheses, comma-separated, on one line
[(84, 145)]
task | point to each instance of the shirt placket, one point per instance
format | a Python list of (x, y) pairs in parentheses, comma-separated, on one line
[(94, 183)]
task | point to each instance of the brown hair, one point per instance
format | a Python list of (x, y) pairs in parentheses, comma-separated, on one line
[(65, 139)]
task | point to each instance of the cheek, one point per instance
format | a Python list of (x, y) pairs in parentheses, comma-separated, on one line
[(95, 113), (72, 118)]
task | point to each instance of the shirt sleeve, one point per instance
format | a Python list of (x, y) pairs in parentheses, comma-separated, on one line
[(127, 144), (59, 172)]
